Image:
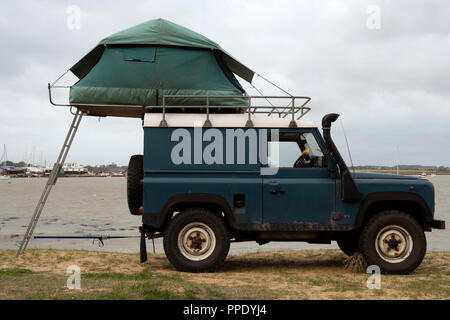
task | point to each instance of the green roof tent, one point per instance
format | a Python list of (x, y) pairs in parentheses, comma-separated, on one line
[(136, 67)]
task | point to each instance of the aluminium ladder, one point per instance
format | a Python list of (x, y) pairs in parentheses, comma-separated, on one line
[(51, 181)]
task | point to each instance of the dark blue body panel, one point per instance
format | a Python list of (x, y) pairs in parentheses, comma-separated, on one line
[(310, 195), (164, 179)]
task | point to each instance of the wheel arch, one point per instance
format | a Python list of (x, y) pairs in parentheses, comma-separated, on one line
[(410, 203), (179, 202)]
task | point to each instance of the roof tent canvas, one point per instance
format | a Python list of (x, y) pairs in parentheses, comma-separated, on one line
[(139, 65)]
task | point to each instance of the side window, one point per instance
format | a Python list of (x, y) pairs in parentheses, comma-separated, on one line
[(296, 150), (288, 153), (316, 156)]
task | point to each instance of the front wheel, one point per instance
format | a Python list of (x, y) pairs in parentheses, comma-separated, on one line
[(196, 240), (394, 241)]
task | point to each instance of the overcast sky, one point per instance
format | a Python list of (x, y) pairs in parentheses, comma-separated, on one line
[(389, 79)]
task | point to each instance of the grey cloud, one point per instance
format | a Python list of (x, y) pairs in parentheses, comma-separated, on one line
[(390, 85)]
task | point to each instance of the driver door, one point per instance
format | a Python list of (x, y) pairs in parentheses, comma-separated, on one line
[(302, 189)]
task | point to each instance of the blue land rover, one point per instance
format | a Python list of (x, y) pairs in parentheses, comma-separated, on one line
[(219, 165), (206, 180)]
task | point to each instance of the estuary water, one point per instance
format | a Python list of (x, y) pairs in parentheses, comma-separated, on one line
[(98, 206)]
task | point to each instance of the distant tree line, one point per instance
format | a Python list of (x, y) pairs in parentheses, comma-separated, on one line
[(404, 167), (104, 167), (107, 168), (114, 167), (14, 164)]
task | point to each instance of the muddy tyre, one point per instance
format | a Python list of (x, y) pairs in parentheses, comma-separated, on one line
[(394, 241), (196, 240), (349, 246), (134, 185)]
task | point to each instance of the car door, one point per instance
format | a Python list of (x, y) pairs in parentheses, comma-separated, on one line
[(302, 191)]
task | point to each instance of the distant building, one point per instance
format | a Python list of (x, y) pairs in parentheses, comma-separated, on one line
[(71, 168)]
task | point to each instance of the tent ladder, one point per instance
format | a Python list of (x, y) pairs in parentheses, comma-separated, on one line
[(51, 181)]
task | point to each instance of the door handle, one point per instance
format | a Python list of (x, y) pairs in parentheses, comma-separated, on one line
[(276, 191)]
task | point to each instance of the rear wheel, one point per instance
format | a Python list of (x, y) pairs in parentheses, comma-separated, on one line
[(196, 240), (394, 241)]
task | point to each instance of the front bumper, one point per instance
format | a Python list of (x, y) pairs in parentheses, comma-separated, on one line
[(436, 224)]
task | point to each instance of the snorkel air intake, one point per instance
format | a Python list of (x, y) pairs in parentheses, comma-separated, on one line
[(349, 190)]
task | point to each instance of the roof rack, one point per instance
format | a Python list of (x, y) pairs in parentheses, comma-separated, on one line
[(296, 108), (293, 110)]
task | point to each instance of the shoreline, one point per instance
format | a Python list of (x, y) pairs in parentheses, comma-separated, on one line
[(412, 172)]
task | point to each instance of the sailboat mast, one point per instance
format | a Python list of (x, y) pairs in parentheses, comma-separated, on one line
[(4, 158), (397, 159)]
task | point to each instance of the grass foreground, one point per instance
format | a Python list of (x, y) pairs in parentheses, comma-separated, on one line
[(318, 274)]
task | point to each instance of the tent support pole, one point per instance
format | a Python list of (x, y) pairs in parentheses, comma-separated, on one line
[(51, 181)]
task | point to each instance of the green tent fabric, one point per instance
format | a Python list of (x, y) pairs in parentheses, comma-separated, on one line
[(139, 65), (160, 32), (143, 75)]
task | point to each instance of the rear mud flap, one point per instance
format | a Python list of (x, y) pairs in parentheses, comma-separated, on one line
[(143, 246)]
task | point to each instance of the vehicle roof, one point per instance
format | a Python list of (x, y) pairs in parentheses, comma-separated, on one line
[(221, 120)]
